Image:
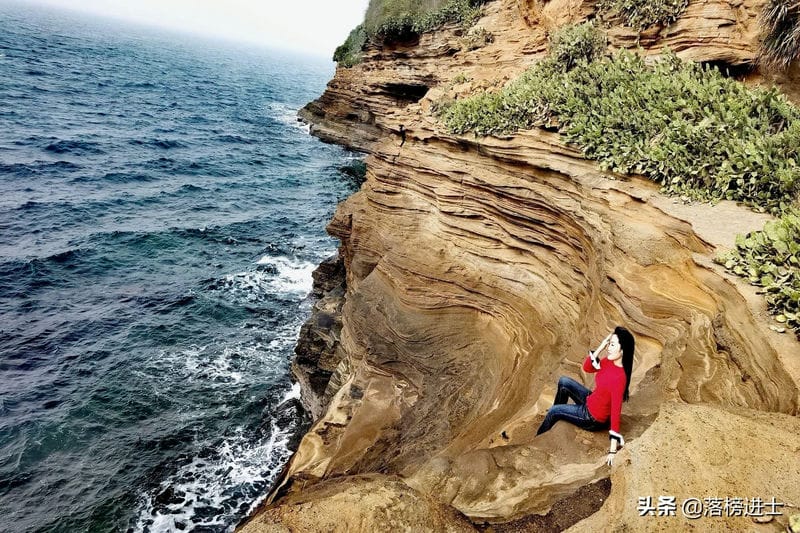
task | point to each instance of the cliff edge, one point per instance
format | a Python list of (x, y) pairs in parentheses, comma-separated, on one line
[(474, 271)]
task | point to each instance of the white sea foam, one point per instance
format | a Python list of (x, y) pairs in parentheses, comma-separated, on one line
[(287, 279), (291, 394), (213, 483), (287, 115), (209, 490), (251, 286), (293, 277), (222, 366), (284, 338)]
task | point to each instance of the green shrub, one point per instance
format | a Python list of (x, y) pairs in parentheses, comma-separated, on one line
[(771, 259), (397, 19), (476, 38), (350, 52), (390, 19), (576, 43), (379, 12), (642, 14), (684, 125), (780, 36)]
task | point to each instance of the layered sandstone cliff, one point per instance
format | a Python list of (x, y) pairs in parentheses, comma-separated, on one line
[(478, 270)]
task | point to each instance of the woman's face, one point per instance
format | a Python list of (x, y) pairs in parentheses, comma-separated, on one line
[(614, 351)]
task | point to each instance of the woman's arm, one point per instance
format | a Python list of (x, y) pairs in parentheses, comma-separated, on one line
[(614, 436), (592, 363)]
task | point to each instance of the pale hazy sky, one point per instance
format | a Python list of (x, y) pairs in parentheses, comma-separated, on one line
[(314, 26)]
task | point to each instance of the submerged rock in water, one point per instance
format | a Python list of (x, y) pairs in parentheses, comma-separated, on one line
[(170, 496)]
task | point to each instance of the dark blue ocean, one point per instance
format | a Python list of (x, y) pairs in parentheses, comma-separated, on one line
[(161, 212)]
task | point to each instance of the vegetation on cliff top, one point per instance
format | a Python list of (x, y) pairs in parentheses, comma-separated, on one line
[(401, 19), (574, 44), (641, 14), (349, 53), (780, 35), (682, 124)]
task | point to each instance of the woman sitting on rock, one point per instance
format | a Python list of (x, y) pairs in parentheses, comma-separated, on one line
[(593, 410)]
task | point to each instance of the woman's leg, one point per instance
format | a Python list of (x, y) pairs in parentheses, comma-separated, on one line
[(569, 388), (572, 413)]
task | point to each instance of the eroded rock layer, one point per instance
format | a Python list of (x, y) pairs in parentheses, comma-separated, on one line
[(317, 351), (480, 270)]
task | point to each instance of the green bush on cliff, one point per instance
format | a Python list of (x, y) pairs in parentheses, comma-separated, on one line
[(398, 19), (771, 259), (522, 104), (641, 14), (574, 44), (349, 53), (684, 125), (780, 35), (389, 19)]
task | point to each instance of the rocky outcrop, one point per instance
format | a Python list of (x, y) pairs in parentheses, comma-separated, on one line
[(478, 270), (316, 352), (371, 502), (709, 454)]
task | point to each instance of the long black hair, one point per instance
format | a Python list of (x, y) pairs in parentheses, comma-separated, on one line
[(628, 346)]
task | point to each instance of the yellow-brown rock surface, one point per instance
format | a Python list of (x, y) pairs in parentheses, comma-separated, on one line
[(480, 270)]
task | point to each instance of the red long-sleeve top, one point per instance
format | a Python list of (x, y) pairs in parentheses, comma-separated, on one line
[(606, 399)]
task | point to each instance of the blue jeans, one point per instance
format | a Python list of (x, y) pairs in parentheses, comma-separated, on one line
[(577, 413)]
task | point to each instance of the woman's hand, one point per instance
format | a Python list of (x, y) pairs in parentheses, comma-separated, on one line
[(617, 442), (603, 344), (595, 355), (595, 360)]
